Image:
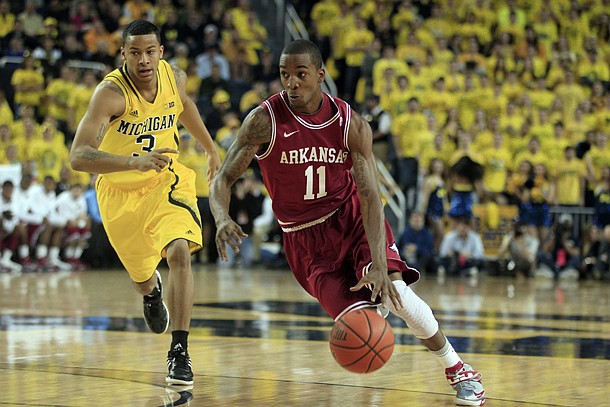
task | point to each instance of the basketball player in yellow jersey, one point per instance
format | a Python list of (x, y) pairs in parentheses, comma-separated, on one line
[(147, 199)]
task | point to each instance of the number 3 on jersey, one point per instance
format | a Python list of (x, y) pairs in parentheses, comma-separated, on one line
[(148, 143), (320, 174)]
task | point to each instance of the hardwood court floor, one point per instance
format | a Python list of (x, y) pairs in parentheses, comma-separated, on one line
[(78, 339)]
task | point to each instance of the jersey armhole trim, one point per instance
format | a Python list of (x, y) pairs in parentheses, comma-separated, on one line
[(348, 120)]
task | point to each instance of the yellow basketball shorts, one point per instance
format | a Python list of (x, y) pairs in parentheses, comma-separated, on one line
[(141, 221)]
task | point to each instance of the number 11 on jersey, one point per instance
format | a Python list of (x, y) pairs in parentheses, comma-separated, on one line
[(310, 178)]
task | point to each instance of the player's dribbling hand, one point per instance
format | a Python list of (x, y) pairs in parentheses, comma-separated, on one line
[(155, 160), (230, 233), (381, 287)]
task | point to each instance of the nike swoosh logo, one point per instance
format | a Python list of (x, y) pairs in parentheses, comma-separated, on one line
[(291, 133), (478, 395)]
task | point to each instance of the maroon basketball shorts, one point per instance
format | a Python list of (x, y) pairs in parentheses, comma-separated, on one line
[(33, 233), (329, 258)]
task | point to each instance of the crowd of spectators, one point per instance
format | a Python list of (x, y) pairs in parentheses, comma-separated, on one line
[(519, 88), (54, 53)]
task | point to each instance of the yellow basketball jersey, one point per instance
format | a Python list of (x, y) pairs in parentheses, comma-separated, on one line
[(143, 126)]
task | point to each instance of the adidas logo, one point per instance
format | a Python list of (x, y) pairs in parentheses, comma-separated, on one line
[(189, 232), (134, 113)]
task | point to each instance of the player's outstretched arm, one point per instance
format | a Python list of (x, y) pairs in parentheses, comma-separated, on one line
[(191, 119), (108, 102), (254, 133), (360, 141)]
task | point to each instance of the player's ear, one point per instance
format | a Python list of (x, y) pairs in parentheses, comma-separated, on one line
[(321, 75), (123, 53), (161, 48)]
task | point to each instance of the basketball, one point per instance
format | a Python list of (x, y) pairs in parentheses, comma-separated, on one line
[(361, 341)]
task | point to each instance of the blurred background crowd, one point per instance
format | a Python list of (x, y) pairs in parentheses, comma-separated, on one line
[(490, 117)]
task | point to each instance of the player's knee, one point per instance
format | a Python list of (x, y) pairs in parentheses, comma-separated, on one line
[(415, 312), (178, 255)]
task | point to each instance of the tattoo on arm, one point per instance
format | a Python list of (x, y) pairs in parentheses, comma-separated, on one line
[(238, 162), (365, 170), (94, 155), (101, 133), (180, 78), (257, 128), (253, 134), (361, 172), (179, 75), (112, 86)]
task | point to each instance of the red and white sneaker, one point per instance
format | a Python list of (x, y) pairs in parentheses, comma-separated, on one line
[(60, 265), (11, 266), (467, 382), (77, 264), (28, 264), (45, 266)]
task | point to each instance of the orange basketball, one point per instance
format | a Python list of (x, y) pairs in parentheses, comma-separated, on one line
[(362, 341)]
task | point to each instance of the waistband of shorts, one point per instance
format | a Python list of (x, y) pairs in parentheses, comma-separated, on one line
[(287, 228)]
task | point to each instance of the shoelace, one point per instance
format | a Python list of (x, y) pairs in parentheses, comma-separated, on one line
[(153, 307), (467, 385), (181, 360), (467, 374)]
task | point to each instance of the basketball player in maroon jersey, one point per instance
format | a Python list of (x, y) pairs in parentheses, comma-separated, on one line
[(316, 160)]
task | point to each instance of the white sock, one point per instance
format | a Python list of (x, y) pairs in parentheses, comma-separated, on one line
[(24, 251), (69, 252), (54, 254), (6, 255), (78, 251), (42, 250), (447, 356)]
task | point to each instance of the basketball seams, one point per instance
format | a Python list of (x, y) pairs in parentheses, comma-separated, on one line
[(370, 330), (376, 353), (373, 358), (355, 333)]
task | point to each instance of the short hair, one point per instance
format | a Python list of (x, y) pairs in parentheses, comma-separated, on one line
[(141, 27), (305, 47), (8, 183)]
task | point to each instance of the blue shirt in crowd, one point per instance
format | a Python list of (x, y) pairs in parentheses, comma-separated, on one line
[(421, 238)]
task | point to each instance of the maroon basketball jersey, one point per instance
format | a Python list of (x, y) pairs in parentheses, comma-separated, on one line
[(306, 167)]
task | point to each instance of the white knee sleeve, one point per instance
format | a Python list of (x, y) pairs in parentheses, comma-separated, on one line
[(415, 312)]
